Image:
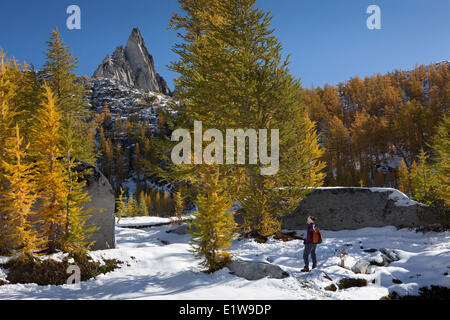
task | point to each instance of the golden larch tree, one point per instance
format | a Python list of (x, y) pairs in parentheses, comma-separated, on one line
[(18, 199), (52, 189)]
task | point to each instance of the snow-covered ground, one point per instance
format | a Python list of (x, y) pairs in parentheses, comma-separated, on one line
[(146, 221), (157, 270)]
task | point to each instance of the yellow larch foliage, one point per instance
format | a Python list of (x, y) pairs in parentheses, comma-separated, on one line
[(52, 190), (18, 198)]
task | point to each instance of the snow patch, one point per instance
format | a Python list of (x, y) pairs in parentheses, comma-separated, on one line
[(400, 199)]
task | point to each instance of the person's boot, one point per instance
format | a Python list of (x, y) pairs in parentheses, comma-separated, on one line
[(314, 266), (305, 269)]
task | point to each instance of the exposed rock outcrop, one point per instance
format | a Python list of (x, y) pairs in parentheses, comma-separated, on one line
[(363, 267), (256, 270), (390, 255), (182, 229), (103, 205), (133, 65), (355, 208)]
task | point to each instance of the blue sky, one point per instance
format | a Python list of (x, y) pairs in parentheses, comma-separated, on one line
[(328, 39)]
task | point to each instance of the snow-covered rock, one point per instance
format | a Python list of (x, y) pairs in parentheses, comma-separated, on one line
[(389, 255), (181, 230), (400, 199), (353, 208), (362, 266), (126, 102), (252, 270)]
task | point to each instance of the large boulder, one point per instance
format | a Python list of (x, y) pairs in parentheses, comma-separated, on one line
[(362, 266), (251, 270), (183, 229), (180, 230), (389, 255), (103, 205), (355, 208)]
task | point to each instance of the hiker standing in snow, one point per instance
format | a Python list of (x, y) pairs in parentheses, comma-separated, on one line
[(313, 238)]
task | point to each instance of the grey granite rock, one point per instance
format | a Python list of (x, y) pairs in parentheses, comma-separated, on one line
[(180, 230), (390, 255), (103, 204), (256, 270), (356, 208), (363, 267), (133, 65)]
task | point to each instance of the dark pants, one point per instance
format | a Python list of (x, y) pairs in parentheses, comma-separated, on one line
[(310, 249)]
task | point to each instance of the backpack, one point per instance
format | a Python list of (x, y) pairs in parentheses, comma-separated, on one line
[(317, 236)]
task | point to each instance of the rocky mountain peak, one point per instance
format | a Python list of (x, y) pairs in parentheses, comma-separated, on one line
[(133, 65), (136, 36)]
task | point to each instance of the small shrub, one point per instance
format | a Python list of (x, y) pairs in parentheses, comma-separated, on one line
[(52, 272), (2, 282), (331, 287), (221, 261), (425, 293), (36, 271), (435, 293), (391, 296), (286, 236), (438, 213), (260, 239), (379, 264), (109, 266), (350, 283), (253, 235)]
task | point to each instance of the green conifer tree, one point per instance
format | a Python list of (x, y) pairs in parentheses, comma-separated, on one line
[(77, 232), (132, 207), (143, 209), (404, 179), (179, 205), (70, 91), (424, 180), (27, 98), (232, 75), (121, 207)]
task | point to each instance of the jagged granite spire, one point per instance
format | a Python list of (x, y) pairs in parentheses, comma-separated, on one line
[(133, 65)]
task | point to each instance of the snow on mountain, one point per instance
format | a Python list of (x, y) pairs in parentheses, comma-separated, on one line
[(125, 101), (129, 105)]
